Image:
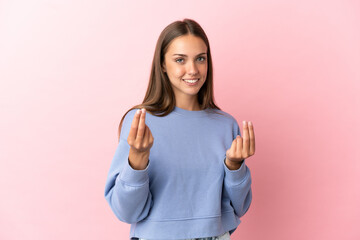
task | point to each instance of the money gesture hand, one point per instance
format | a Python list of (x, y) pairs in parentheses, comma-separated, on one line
[(241, 147)]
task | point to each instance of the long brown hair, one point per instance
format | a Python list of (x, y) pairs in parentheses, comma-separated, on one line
[(159, 99)]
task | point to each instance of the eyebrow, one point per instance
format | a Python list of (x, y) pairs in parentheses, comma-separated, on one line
[(183, 55)]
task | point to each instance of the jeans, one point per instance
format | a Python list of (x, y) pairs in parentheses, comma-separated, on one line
[(225, 236)]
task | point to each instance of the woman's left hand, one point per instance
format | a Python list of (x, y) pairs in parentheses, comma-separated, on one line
[(241, 147)]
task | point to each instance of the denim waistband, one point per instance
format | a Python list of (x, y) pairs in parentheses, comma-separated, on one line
[(225, 236)]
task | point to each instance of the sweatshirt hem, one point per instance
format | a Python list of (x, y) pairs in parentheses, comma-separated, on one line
[(186, 228)]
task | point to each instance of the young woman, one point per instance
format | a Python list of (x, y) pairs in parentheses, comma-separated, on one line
[(179, 172)]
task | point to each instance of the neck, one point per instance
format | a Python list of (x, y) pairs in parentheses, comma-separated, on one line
[(190, 103)]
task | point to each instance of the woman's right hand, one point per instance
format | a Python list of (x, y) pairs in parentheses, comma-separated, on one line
[(140, 140)]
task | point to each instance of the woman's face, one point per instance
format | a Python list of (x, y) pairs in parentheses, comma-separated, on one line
[(185, 63)]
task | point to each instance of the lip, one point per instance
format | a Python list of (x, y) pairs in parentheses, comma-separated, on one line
[(191, 84)]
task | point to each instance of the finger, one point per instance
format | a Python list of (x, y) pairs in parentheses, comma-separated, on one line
[(146, 137), (252, 138), (134, 126), (232, 149), (151, 138), (141, 127), (239, 146), (246, 141)]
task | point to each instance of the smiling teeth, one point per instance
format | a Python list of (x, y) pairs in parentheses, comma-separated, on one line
[(191, 81)]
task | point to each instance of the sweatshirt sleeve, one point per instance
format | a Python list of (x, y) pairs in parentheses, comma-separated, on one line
[(126, 189), (237, 184)]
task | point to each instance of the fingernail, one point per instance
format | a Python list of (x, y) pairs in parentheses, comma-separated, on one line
[(250, 123), (143, 110), (244, 123), (138, 111)]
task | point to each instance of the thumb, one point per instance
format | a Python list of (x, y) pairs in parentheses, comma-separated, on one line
[(233, 145), (231, 151)]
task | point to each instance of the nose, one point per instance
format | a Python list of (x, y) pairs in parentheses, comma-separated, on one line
[(192, 68)]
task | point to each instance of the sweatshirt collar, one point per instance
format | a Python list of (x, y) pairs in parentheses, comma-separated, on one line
[(189, 113)]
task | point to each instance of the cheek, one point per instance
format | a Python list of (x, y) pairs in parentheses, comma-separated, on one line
[(204, 69), (176, 71)]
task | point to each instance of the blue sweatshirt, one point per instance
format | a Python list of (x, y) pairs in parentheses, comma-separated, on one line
[(186, 191)]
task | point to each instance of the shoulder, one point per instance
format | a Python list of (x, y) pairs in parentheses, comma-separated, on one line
[(222, 115), (230, 122)]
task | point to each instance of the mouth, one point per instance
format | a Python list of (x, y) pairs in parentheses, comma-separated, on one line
[(191, 81)]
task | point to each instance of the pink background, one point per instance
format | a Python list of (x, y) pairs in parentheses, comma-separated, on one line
[(70, 69)]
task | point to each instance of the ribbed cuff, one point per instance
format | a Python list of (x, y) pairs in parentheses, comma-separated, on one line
[(134, 177), (235, 176)]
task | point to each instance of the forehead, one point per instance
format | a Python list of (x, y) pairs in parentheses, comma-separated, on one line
[(187, 44)]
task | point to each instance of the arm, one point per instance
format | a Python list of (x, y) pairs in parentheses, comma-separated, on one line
[(237, 180), (237, 184), (127, 189)]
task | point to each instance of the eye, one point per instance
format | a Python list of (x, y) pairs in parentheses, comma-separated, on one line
[(179, 60), (202, 59)]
